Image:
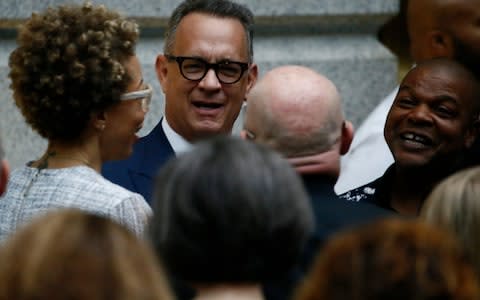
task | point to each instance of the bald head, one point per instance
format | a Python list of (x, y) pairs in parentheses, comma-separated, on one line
[(295, 110), (469, 85)]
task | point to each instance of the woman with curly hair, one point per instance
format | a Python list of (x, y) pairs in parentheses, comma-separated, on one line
[(78, 83)]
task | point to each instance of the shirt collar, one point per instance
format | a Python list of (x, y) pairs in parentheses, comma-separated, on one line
[(178, 143)]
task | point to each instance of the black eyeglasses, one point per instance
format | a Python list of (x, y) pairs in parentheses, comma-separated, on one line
[(194, 68)]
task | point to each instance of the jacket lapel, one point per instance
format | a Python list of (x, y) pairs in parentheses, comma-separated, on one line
[(151, 153)]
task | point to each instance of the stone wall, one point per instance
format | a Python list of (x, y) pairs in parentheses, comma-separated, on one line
[(335, 37)]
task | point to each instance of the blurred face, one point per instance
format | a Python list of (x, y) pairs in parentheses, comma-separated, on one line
[(125, 119), (466, 34), (431, 119), (419, 25), (206, 107)]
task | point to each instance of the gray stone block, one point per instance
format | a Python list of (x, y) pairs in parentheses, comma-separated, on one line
[(334, 37), (161, 9)]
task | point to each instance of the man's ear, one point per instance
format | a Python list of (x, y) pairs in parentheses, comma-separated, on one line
[(161, 70), (347, 137), (472, 133), (440, 44), (243, 134), (99, 120), (252, 77), (4, 174)]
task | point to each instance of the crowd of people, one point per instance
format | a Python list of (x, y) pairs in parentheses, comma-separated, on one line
[(191, 212)]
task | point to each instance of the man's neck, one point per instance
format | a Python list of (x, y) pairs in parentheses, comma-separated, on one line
[(410, 188), (325, 163)]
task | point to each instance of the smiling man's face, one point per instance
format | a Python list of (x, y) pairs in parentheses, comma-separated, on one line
[(206, 107), (431, 119)]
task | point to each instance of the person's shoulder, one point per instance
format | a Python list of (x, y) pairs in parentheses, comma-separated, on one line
[(23, 171), (113, 198), (90, 185), (113, 189)]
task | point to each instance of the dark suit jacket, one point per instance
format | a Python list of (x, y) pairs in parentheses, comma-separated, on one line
[(332, 214), (137, 173)]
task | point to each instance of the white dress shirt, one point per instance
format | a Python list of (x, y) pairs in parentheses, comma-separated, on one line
[(178, 143)]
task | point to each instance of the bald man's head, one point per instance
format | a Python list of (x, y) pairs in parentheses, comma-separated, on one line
[(445, 28), (296, 111)]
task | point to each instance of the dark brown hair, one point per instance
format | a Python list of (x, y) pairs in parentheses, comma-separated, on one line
[(216, 8), (78, 256), (392, 259)]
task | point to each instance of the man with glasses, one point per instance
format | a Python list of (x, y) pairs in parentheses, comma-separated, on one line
[(205, 72)]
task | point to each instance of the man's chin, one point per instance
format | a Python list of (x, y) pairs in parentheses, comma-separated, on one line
[(210, 130), (412, 162)]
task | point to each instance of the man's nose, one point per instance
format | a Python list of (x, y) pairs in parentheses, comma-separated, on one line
[(210, 81), (421, 114)]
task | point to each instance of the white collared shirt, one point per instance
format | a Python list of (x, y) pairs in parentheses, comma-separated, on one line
[(178, 143), (369, 155)]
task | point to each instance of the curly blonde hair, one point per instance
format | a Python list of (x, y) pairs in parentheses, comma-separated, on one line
[(68, 64)]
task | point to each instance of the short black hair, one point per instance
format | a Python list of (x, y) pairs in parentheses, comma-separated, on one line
[(218, 8), (456, 70), (229, 211)]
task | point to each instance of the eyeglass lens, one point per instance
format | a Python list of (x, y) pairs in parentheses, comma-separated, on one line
[(195, 69), (145, 96), (227, 72)]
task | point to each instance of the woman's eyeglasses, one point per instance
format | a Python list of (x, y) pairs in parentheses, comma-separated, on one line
[(145, 96)]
